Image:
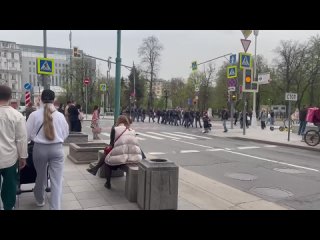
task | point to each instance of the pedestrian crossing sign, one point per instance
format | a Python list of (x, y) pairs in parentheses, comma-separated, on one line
[(232, 72), (245, 60), (103, 87), (45, 66)]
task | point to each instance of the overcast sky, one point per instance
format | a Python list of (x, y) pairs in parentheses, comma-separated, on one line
[(180, 47)]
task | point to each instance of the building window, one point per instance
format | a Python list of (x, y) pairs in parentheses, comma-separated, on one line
[(30, 78), (55, 65), (62, 64), (34, 78), (56, 71), (59, 64), (59, 71), (33, 63), (13, 77), (29, 69), (12, 64), (34, 70), (12, 55), (0, 76), (56, 81), (29, 62), (5, 54), (14, 87)]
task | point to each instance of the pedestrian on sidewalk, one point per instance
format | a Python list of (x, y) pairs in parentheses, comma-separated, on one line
[(263, 118), (29, 109), (236, 116), (48, 148), (95, 124), (198, 119), (66, 113), (224, 117), (13, 147), (302, 118)]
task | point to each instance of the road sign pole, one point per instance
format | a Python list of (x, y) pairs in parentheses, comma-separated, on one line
[(45, 82), (289, 115), (244, 113), (118, 76), (232, 113), (254, 116), (86, 101)]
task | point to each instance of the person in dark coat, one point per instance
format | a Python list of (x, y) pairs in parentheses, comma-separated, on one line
[(75, 125)]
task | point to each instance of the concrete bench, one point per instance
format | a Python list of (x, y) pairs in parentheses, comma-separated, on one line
[(102, 171), (131, 188)]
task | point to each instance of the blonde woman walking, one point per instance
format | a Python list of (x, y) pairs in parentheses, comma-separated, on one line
[(52, 129)]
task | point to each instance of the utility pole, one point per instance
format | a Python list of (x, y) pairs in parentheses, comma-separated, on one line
[(69, 93), (254, 116), (46, 84), (118, 76)]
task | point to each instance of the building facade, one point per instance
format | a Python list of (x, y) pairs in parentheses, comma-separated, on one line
[(10, 69), (158, 87)]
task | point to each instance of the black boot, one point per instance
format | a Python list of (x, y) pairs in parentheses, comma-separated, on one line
[(93, 170), (107, 185)]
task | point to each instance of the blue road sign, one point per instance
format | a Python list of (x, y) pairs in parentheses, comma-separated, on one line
[(233, 58), (45, 66), (27, 86), (245, 60)]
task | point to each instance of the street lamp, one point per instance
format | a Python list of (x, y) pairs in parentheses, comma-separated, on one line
[(254, 116)]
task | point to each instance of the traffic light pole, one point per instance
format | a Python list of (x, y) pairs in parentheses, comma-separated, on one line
[(232, 112), (244, 113), (118, 73)]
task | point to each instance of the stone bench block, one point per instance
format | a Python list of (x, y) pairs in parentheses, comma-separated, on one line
[(84, 153), (76, 137), (131, 187)]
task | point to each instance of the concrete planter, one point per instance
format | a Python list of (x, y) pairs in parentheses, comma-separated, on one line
[(76, 137), (84, 153)]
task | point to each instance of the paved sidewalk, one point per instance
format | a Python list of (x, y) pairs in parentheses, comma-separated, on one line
[(266, 136), (82, 191)]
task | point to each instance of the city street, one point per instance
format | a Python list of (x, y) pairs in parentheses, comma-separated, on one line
[(287, 176)]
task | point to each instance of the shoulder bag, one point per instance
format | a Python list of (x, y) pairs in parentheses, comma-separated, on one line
[(108, 149)]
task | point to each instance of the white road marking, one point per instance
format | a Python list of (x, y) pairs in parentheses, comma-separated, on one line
[(179, 135), (139, 138), (193, 135), (215, 149), (162, 135), (147, 135), (189, 151), (252, 147), (156, 153), (228, 149), (274, 161), (270, 146), (199, 145)]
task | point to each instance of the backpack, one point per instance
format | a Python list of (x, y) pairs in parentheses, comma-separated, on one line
[(310, 114), (316, 117)]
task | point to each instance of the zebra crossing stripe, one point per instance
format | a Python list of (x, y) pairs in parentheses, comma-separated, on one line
[(162, 135), (156, 153), (253, 147), (147, 135), (189, 151), (179, 135), (215, 149), (193, 135)]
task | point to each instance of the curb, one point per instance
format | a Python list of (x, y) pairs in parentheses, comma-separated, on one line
[(277, 143)]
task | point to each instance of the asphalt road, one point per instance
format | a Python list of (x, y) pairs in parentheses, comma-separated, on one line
[(285, 175)]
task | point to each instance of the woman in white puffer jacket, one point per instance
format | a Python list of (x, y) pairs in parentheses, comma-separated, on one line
[(125, 147)]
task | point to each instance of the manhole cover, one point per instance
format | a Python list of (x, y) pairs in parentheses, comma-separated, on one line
[(241, 176), (288, 170), (273, 192)]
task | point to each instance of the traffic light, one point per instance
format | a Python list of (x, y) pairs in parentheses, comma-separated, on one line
[(76, 52), (248, 75)]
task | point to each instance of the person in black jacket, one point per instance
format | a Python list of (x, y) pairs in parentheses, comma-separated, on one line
[(75, 125), (224, 117), (198, 119), (302, 119)]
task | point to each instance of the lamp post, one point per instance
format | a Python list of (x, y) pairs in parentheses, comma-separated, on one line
[(254, 116)]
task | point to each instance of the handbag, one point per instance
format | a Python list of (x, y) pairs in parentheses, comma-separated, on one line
[(28, 174), (108, 148)]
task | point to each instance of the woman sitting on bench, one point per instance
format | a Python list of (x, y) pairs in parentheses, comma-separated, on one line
[(125, 149)]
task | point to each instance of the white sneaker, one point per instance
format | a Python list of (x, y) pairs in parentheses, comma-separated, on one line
[(41, 204)]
